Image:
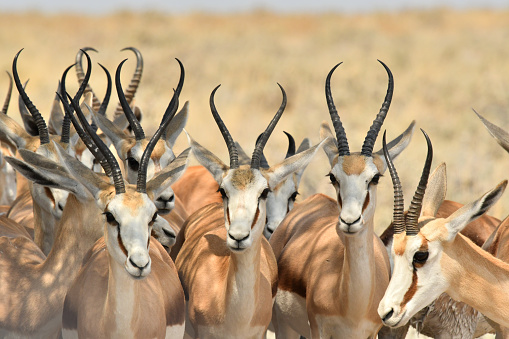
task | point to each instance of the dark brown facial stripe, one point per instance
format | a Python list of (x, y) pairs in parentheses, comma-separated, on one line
[(120, 242), (366, 202), (255, 217), (48, 193), (411, 291), (228, 214), (340, 202)]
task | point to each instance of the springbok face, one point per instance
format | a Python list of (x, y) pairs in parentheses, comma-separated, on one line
[(355, 176), (280, 201), (7, 176), (130, 149), (129, 219), (244, 188), (419, 275)]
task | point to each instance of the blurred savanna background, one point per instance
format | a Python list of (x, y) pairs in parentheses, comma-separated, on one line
[(445, 62)]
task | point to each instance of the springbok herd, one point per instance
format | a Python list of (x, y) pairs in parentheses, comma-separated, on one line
[(114, 236)]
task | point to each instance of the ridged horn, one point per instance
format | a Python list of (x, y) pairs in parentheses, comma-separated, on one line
[(141, 184), (133, 122), (291, 145), (343, 148), (232, 150), (414, 210), (66, 123), (369, 141), (8, 96), (135, 80), (398, 219), (81, 75), (263, 161), (116, 173), (87, 140), (39, 120), (256, 158)]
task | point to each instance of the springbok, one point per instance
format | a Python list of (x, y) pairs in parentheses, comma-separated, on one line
[(226, 265), (48, 203), (121, 305), (431, 257), (7, 173), (333, 269), (197, 188)]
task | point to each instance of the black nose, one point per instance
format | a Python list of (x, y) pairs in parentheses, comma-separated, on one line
[(350, 223), (60, 207), (168, 233), (388, 315), (135, 265), (239, 240)]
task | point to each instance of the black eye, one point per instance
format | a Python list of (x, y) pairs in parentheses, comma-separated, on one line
[(223, 193), (110, 218), (293, 197), (133, 164), (264, 194), (420, 258), (375, 179), (332, 178)]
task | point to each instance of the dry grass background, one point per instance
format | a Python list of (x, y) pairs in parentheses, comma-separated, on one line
[(444, 63)]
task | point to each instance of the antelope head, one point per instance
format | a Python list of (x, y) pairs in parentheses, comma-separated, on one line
[(420, 274), (355, 176), (131, 148), (245, 188)]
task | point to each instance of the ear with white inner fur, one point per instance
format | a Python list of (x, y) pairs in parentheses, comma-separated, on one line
[(176, 126), (43, 171), (114, 133), (331, 146), (501, 136), (304, 145), (435, 191), (397, 145), (93, 182), (468, 213), (208, 160), (279, 172), (12, 133), (171, 173), (244, 159)]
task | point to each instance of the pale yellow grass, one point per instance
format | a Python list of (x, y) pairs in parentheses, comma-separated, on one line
[(444, 64)]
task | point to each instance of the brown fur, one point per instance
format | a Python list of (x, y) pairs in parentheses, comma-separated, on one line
[(354, 164), (411, 291), (242, 178)]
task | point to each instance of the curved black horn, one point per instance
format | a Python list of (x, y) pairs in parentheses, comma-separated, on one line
[(8, 96), (135, 80), (66, 123), (398, 219), (81, 76), (133, 122), (106, 100), (232, 150), (336, 121), (256, 158), (263, 161), (87, 140), (39, 120), (141, 184), (414, 210), (115, 168), (291, 145), (369, 141)]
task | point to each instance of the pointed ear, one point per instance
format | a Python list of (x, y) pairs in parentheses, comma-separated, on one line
[(244, 159), (331, 146), (278, 173), (501, 136), (46, 172), (304, 145), (114, 133), (176, 125), (121, 122), (397, 145), (12, 133), (468, 213), (56, 116), (435, 191), (93, 182), (208, 160), (171, 173)]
